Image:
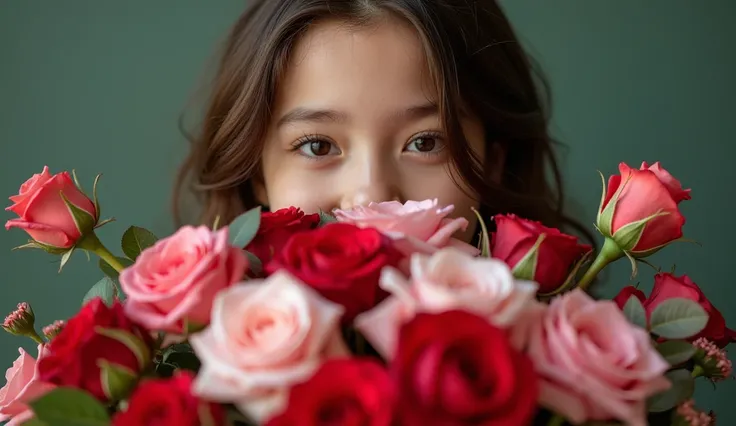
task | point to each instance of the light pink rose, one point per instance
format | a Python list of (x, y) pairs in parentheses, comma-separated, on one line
[(593, 363), (23, 386), (423, 225), (449, 279), (173, 283), (265, 335)]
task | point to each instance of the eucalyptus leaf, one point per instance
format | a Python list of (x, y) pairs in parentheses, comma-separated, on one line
[(678, 318), (105, 289), (254, 263), (242, 230), (635, 313), (135, 240), (70, 407), (683, 386), (676, 351)]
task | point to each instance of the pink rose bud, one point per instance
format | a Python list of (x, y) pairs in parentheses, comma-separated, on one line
[(53, 329), (53, 211), (687, 414), (639, 209), (712, 361), (21, 321)]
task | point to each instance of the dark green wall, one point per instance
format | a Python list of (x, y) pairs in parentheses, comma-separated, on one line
[(99, 87)]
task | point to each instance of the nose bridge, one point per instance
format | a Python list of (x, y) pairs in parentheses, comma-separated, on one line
[(372, 175)]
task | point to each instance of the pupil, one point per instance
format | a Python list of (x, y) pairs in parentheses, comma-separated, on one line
[(319, 148), (425, 144)]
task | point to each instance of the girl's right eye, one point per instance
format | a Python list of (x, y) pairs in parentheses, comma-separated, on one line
[(314, 147)]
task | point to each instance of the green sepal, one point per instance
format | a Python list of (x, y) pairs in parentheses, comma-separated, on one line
[(527, 266), (76, 181), (117, 381), (484, 243), (570, 281), (84, 221), (102, 223), (33, 244), (604, 219), (132, 342), (628, 236), (94, 198), (325, 218), (65, 258)]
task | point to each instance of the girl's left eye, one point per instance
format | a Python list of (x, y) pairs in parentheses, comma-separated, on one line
[(426, 144)]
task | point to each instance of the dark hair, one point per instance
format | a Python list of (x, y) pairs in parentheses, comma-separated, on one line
[(476, 62)]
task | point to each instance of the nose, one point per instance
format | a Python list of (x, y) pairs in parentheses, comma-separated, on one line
[(368, 183)]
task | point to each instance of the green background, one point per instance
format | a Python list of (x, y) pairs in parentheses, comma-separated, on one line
[(99, 87)]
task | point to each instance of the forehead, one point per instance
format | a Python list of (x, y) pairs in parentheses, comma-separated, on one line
[(379, 65)]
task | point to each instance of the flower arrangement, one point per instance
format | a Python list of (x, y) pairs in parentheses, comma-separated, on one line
[(370, 316)]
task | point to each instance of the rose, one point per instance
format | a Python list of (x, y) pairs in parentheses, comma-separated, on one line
[(169, 402), (341, 261), (425, 223), (93, 344), (536, 252), (593, 363), (172, 284), (639, 209), (264, 336), (276, 227), (349, 391), (668, 286), (625, 294), (43, 212), (449, 279), (455, 368), (23, 386)]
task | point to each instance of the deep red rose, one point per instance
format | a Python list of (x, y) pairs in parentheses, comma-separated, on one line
[(169, 402), (649, 192), (668, 286), (342, 262), (75, 354), (557, 254), (623, 296), (276, 227), (455, 368), (344, 391)]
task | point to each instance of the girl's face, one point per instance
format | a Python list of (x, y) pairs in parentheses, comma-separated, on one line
[(355, 121)]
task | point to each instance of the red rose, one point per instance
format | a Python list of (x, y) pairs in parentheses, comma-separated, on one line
[(668, 286), (455, 368), (88, 342), (341, 261), (169, 402), (623, 296), (276, 227), (43, 213), (639, 210), (344, 391), (553, 260)]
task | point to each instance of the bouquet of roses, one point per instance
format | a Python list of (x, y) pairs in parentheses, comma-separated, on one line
[(369, 316)]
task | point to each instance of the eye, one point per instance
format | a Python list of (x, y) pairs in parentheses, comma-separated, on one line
[(426, 144), (314, 146)]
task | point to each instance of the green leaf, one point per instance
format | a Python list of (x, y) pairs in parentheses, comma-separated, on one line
[(485, 239), (325, 218), (70, 407), (117, 381), (242, 230), (676, 352), (678, 318), (135, 240), (254, 263), (182, 356), (527, 266), (109, 270), (85, 222), (65, 258), (131, 341), (635, 313), (34, 421), (683, 386), (105, 289)]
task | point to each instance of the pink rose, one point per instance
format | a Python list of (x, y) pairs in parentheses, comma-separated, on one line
[(424, 223), (449, 279), (593, 364), (265, 336), (172, 284), (23, 386), (43, 213)]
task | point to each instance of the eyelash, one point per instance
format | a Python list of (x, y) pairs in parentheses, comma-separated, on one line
[(310, 138)]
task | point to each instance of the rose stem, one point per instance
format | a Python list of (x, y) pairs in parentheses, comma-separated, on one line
[(609, 253), (91, 243)]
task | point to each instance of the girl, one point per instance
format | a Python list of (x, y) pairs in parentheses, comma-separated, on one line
[(326, 104)]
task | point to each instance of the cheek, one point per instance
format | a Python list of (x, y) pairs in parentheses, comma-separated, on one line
[(291, 186)]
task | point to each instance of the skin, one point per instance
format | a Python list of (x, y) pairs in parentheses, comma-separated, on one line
[(355, 121)]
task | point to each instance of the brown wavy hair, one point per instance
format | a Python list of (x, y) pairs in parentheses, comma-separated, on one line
[(475, 60)]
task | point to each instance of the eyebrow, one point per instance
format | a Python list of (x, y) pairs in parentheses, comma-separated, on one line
[(330, 115)]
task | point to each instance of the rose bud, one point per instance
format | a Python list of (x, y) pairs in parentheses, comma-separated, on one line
[(21, 322)]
